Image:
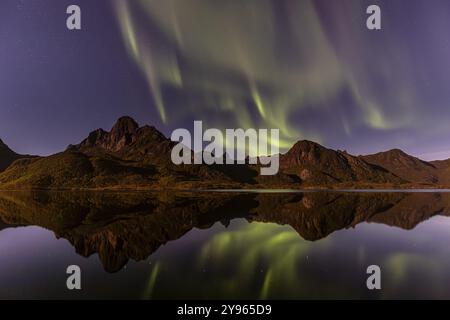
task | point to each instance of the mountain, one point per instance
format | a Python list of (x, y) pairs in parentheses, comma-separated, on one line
[(74, 170), (317, 165), (405, 166), (7, 156), (128, 141), (133, 157), (443, 169), (128, 156)]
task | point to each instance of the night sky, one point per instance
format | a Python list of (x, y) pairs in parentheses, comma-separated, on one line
[(310, 68)]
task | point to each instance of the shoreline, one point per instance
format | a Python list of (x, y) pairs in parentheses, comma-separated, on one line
[(238, 190)]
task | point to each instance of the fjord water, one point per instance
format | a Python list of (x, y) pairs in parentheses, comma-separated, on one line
[(224, 245)]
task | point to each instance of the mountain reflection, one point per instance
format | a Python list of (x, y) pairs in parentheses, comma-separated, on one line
[(123, 226)]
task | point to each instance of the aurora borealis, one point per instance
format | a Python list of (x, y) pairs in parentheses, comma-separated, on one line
[(310, 68)]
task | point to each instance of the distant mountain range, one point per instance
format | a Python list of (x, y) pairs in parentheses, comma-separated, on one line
[(133, 157)]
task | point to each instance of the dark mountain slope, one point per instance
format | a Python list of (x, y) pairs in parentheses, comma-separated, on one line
[(128, 156), (7, 156), (317, 165), (405, 166)]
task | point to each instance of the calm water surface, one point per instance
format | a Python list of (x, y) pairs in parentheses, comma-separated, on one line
[(225, 245)]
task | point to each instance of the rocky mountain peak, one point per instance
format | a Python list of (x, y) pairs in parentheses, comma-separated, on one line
[(125, 137), (305, 149), (125, 125)]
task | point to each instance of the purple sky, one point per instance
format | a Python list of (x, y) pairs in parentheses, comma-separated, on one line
[(310, 68)]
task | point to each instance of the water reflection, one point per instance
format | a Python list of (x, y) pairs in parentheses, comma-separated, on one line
[(269, 246)]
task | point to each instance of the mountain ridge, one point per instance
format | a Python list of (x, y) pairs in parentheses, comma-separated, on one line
[(130, 156), (405, 166)]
